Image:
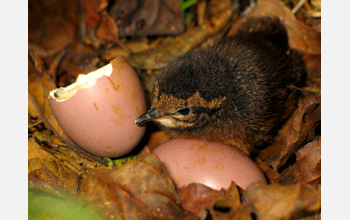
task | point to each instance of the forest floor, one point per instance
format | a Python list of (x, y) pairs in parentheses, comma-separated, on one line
[(71, 37)]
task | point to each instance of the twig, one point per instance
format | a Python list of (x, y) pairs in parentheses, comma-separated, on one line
[(298, 6)]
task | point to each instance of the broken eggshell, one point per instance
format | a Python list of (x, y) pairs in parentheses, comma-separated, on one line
[(98, 111), (212, 164)]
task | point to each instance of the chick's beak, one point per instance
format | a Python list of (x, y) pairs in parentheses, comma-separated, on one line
[(148, 116)]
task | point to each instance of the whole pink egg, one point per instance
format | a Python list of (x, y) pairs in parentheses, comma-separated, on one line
[(99, 110), (212, 164)]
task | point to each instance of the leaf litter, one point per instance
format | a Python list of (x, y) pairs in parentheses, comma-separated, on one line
[(60, 49)]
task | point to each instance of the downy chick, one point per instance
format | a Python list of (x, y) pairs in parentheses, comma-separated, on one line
[(237, 92)]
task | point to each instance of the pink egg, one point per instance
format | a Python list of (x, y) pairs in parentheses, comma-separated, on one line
[(99, 110), (212, 164)]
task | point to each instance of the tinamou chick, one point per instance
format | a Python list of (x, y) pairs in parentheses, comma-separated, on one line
[(237, 92)]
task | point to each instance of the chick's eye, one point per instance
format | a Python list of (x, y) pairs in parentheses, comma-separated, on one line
[(184, 111)]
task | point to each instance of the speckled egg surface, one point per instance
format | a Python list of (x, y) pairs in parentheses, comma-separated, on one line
[(98, 112), (212, 164)]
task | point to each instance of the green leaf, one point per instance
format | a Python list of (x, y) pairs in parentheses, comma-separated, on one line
[(185, 4), (44, 205)]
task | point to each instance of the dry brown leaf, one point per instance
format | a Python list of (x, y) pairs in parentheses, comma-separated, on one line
[(270, 173), (107, 30), (243, 213), (36, 63), (232, 199), (41, 52), (97, 26), (51, 24), (229, 206), (148, 17), (53, 174), (283, 202), (35, 151), (57, 150), (141, 189), (309, 162), (197, 197), (297, 131), (313, 67), (34, 110), (39, 86), (34, 123), (171, 48), (92, 8), (306, 121), (79, 59), (288, 176)]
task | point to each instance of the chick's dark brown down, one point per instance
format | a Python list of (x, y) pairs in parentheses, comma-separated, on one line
[(237, 92)]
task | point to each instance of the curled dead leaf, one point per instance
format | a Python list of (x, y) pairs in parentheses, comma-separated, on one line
[(275, 201), (308, 117), (309, 162), (39, 86), (208, 203), (289, 175), (107, 30), (35, 111), (92, 8), (141, 189), (300, 129), (197, 197), (229, 206)]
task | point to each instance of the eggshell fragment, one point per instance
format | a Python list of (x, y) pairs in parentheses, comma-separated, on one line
[(212, 164), (98, 111)]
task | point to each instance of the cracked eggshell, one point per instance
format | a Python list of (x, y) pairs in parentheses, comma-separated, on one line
[(212, 164), (99, 110)]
